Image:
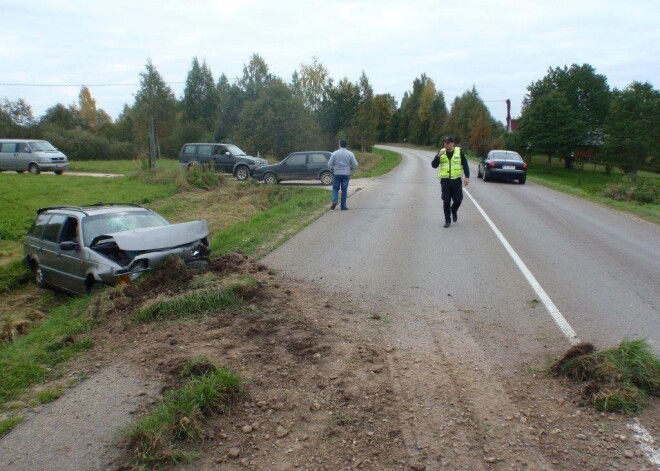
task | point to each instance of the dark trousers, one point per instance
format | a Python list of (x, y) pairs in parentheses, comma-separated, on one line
[(452, 190)]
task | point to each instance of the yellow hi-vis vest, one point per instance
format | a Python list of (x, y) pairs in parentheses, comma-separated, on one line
[(450, 168)]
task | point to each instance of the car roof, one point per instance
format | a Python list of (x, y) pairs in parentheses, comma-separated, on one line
[(98, 208), (311, 152), (23, 140)]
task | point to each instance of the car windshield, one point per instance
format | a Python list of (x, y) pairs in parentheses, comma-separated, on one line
[(234, 150), (506, 156), (95, 226), (42, 146)]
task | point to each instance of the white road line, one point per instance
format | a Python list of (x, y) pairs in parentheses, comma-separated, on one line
[(536, 286), (643, 438)]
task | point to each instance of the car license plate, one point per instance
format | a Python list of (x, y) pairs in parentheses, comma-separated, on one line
[(508, 167)]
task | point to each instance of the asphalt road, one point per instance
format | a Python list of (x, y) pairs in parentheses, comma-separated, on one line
[(600, 267)]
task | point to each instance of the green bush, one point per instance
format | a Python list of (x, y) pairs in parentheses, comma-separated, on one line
[(122, 151), (79, 144), (644, 191)]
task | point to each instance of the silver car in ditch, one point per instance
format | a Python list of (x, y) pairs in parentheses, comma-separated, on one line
[(79, 249)]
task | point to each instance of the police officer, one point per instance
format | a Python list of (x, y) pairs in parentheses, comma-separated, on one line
[(452, 164)]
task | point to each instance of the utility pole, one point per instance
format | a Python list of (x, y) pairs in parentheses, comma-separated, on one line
[(154, 148)]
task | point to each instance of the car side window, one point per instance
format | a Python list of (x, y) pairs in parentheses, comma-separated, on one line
[(190, 149), (9, 147), (206, 150), (317, 159), (298, 159), (52, 230), (38, 227), (70, 230)]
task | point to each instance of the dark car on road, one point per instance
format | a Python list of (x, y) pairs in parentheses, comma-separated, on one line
[(226, 158), (503, 164), (308, 165), (79, 249)]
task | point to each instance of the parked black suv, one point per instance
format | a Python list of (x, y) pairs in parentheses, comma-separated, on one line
[(309, 165), (226, 158)]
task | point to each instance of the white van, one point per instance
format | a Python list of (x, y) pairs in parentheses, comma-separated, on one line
[(31, 155)]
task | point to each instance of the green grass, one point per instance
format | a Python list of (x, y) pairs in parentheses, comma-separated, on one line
[(8, 424), (49, 395), (23, 194), (619, 379), (196, 302), (378, 163), (124, 167), (180, 419), (270, 228), (13, 275), (30, 359)]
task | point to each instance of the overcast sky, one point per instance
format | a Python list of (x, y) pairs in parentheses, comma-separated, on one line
[(498, 46)]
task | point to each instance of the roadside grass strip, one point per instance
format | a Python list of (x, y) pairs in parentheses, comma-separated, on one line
[(616, 380), (30, 358), (196, 302), (180, 419), (374, 167), (269, 229), (8, 424)]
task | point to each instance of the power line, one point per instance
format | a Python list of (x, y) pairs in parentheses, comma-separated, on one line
[(75, 85)]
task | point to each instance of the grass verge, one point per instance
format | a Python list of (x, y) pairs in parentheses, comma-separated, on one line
[(373, 167), (271, 227), (13, 275), (157, 439), (615, 380), (8, 424), (196, 302), (30, 358)]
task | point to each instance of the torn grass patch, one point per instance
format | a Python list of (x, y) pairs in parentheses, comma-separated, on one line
[(615, 380), (180, 418), (196, 302)]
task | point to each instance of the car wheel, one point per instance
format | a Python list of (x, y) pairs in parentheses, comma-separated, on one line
[(270, 178), (194, 166), (95, 287), (38, 275), (522, 180), (326, 178), (34, 169), (485, 175), (479, 174), (242, 174)]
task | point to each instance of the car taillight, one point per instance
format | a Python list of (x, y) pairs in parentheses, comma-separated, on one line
[(524, 165), (491, 164)]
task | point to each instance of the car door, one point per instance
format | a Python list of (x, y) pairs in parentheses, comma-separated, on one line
[(316, 162), (70, 263), (205, 155), (294, 168), (224, 162), (8, 156), (49, 250)]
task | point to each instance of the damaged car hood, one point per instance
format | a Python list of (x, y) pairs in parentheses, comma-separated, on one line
[(152, 238)]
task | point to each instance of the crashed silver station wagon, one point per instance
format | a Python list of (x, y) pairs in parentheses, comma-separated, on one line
[(79, 249)]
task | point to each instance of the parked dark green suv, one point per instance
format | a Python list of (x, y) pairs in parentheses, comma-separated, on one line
[(226, 158)]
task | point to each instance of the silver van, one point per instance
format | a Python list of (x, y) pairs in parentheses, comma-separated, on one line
[(31, 155)]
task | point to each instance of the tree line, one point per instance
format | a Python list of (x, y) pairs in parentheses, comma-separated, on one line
[(569, 108)]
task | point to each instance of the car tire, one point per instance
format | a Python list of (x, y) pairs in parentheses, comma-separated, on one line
[(479, 174), (326, 178), (270, 178), (522, 180), (38, 275), (485, 176), (95, 287), (194, 166), (34, 169), (242, 173)]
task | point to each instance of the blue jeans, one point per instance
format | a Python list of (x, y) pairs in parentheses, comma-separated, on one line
[(340, 180)]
